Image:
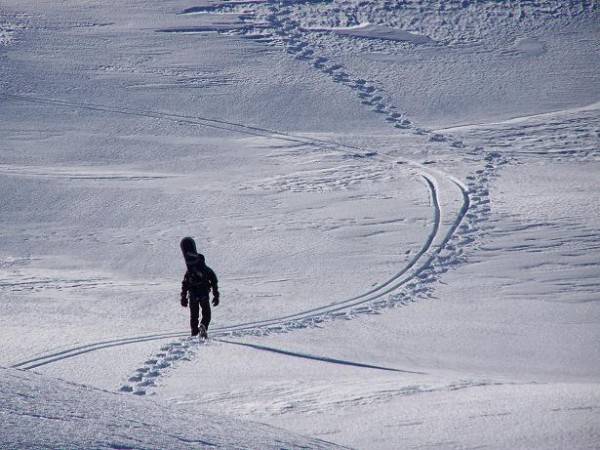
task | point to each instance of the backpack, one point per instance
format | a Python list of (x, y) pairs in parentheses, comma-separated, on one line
[(197, 277)]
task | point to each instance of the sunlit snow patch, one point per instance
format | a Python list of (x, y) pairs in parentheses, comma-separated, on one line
[(530, 46), (212, 22), (374, 31), (217, 8), (526, 47)]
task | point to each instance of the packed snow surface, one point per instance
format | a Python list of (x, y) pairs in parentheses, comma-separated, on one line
[(400, 200)]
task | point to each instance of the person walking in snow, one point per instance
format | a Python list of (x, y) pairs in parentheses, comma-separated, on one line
[(198, 281)]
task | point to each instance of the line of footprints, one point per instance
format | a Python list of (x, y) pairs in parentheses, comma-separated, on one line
[(287, 32), (145, 376)]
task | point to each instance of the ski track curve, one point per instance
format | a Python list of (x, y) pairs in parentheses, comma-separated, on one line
[(451, 232), (415, 275)]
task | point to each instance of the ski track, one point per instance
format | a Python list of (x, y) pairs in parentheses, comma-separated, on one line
[(452, 232), (346, 309)]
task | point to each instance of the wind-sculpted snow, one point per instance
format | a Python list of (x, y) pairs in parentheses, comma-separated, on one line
[(6, 34), (329, 35), (10, 25), (454, 22)]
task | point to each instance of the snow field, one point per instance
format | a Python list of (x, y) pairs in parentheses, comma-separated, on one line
[(399, 200)]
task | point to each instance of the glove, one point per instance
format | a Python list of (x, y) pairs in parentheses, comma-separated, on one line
[(215, 301), (184, 301)]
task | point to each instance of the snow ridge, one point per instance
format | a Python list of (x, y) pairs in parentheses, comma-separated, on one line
[(66, 415)]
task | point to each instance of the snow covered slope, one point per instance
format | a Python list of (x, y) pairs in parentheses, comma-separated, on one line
[(38, 412), (400, 199)]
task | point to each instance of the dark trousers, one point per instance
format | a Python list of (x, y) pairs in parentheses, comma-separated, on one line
[(199, 302)]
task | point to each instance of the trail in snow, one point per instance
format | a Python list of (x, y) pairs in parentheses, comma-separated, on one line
[(358, 48), (346, 308), (278, 27), (437, 254), (420, 270)]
